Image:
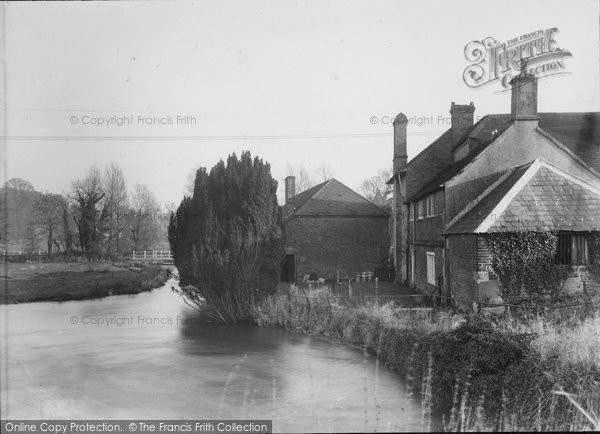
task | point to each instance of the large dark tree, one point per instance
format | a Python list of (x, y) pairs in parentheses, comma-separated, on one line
[(227, 239), (87, 194)]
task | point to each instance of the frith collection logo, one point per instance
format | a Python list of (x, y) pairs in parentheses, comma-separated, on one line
[(493, 61)]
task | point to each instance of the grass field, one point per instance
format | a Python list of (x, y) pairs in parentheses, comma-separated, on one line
[(30, 282)]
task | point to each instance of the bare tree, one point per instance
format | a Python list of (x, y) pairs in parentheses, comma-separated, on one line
[(376, 190), (48, 215), (19, 184), (32, 236), (144, 218), (116, 205), (304, 180), (19, 194), (67, 225), (324, 172)]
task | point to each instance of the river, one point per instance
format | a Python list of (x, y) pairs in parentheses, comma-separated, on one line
[(150, 356)]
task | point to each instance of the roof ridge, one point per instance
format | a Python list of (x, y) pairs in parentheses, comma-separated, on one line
[(320, 188), (359, 195)]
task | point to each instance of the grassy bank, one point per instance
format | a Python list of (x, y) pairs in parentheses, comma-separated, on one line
[(479, 374), (30, 282)]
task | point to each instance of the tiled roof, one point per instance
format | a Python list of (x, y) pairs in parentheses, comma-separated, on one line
[(331, 198), (483, 133), (300, 199), (443, 176), (471, 220), (486, 129), (579, 132), (428, 163), (535, 197)]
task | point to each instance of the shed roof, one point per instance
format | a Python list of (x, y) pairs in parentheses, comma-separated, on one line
[(536, 197)]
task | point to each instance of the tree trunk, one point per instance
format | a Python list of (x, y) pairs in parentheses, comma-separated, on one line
[(49, 240)]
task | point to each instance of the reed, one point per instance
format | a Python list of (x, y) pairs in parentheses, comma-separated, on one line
[(472, 373)]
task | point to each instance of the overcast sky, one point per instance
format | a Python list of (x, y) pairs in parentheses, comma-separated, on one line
[(300, 83)]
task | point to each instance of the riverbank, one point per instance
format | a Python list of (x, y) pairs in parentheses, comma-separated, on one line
[(477, 374), (32, 282)]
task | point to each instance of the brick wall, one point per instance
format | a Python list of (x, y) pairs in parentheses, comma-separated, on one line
[(421, 282), (463, 262), (324, 245), (424, 236), (484, 258), (429, 228)]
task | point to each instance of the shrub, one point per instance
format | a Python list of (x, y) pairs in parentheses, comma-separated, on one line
[(227, 239)]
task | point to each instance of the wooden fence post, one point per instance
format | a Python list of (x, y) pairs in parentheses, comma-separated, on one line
[(333, 285)]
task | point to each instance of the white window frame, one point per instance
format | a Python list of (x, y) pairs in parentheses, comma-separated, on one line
[(420, 209), (430, 205), (411, 212), (431, 268)]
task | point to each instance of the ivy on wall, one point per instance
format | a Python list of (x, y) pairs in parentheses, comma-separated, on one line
[(525, 264), (594, 252)]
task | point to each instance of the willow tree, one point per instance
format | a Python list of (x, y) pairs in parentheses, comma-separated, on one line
[(227, 238)]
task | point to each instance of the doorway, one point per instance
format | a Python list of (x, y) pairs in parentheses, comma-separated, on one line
[(288, 271)]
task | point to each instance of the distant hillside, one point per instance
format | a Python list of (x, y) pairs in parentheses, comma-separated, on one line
[(16, 209)]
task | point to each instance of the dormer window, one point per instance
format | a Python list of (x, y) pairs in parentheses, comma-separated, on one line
[(462, 151)]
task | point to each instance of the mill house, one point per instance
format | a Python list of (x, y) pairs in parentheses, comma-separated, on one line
[(520, 171)]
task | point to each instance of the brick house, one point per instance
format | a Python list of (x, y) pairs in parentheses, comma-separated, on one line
[(331, 229), (523, 171)]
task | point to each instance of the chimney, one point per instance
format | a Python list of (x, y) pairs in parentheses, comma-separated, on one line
[(400, 155), (290, 188), (523, 103), (462, 119)]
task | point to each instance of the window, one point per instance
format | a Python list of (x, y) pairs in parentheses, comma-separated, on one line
[(412, 266), (572, 249), (411, 212), (420, 209), (431, 205), (431, 268)]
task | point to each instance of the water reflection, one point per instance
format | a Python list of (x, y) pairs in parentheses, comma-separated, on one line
[(151, 356)]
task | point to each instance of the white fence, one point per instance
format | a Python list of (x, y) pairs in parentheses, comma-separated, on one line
[(151, 254)]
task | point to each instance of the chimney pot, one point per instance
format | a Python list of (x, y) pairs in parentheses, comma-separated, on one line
[(461, 116), (523, 102)]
